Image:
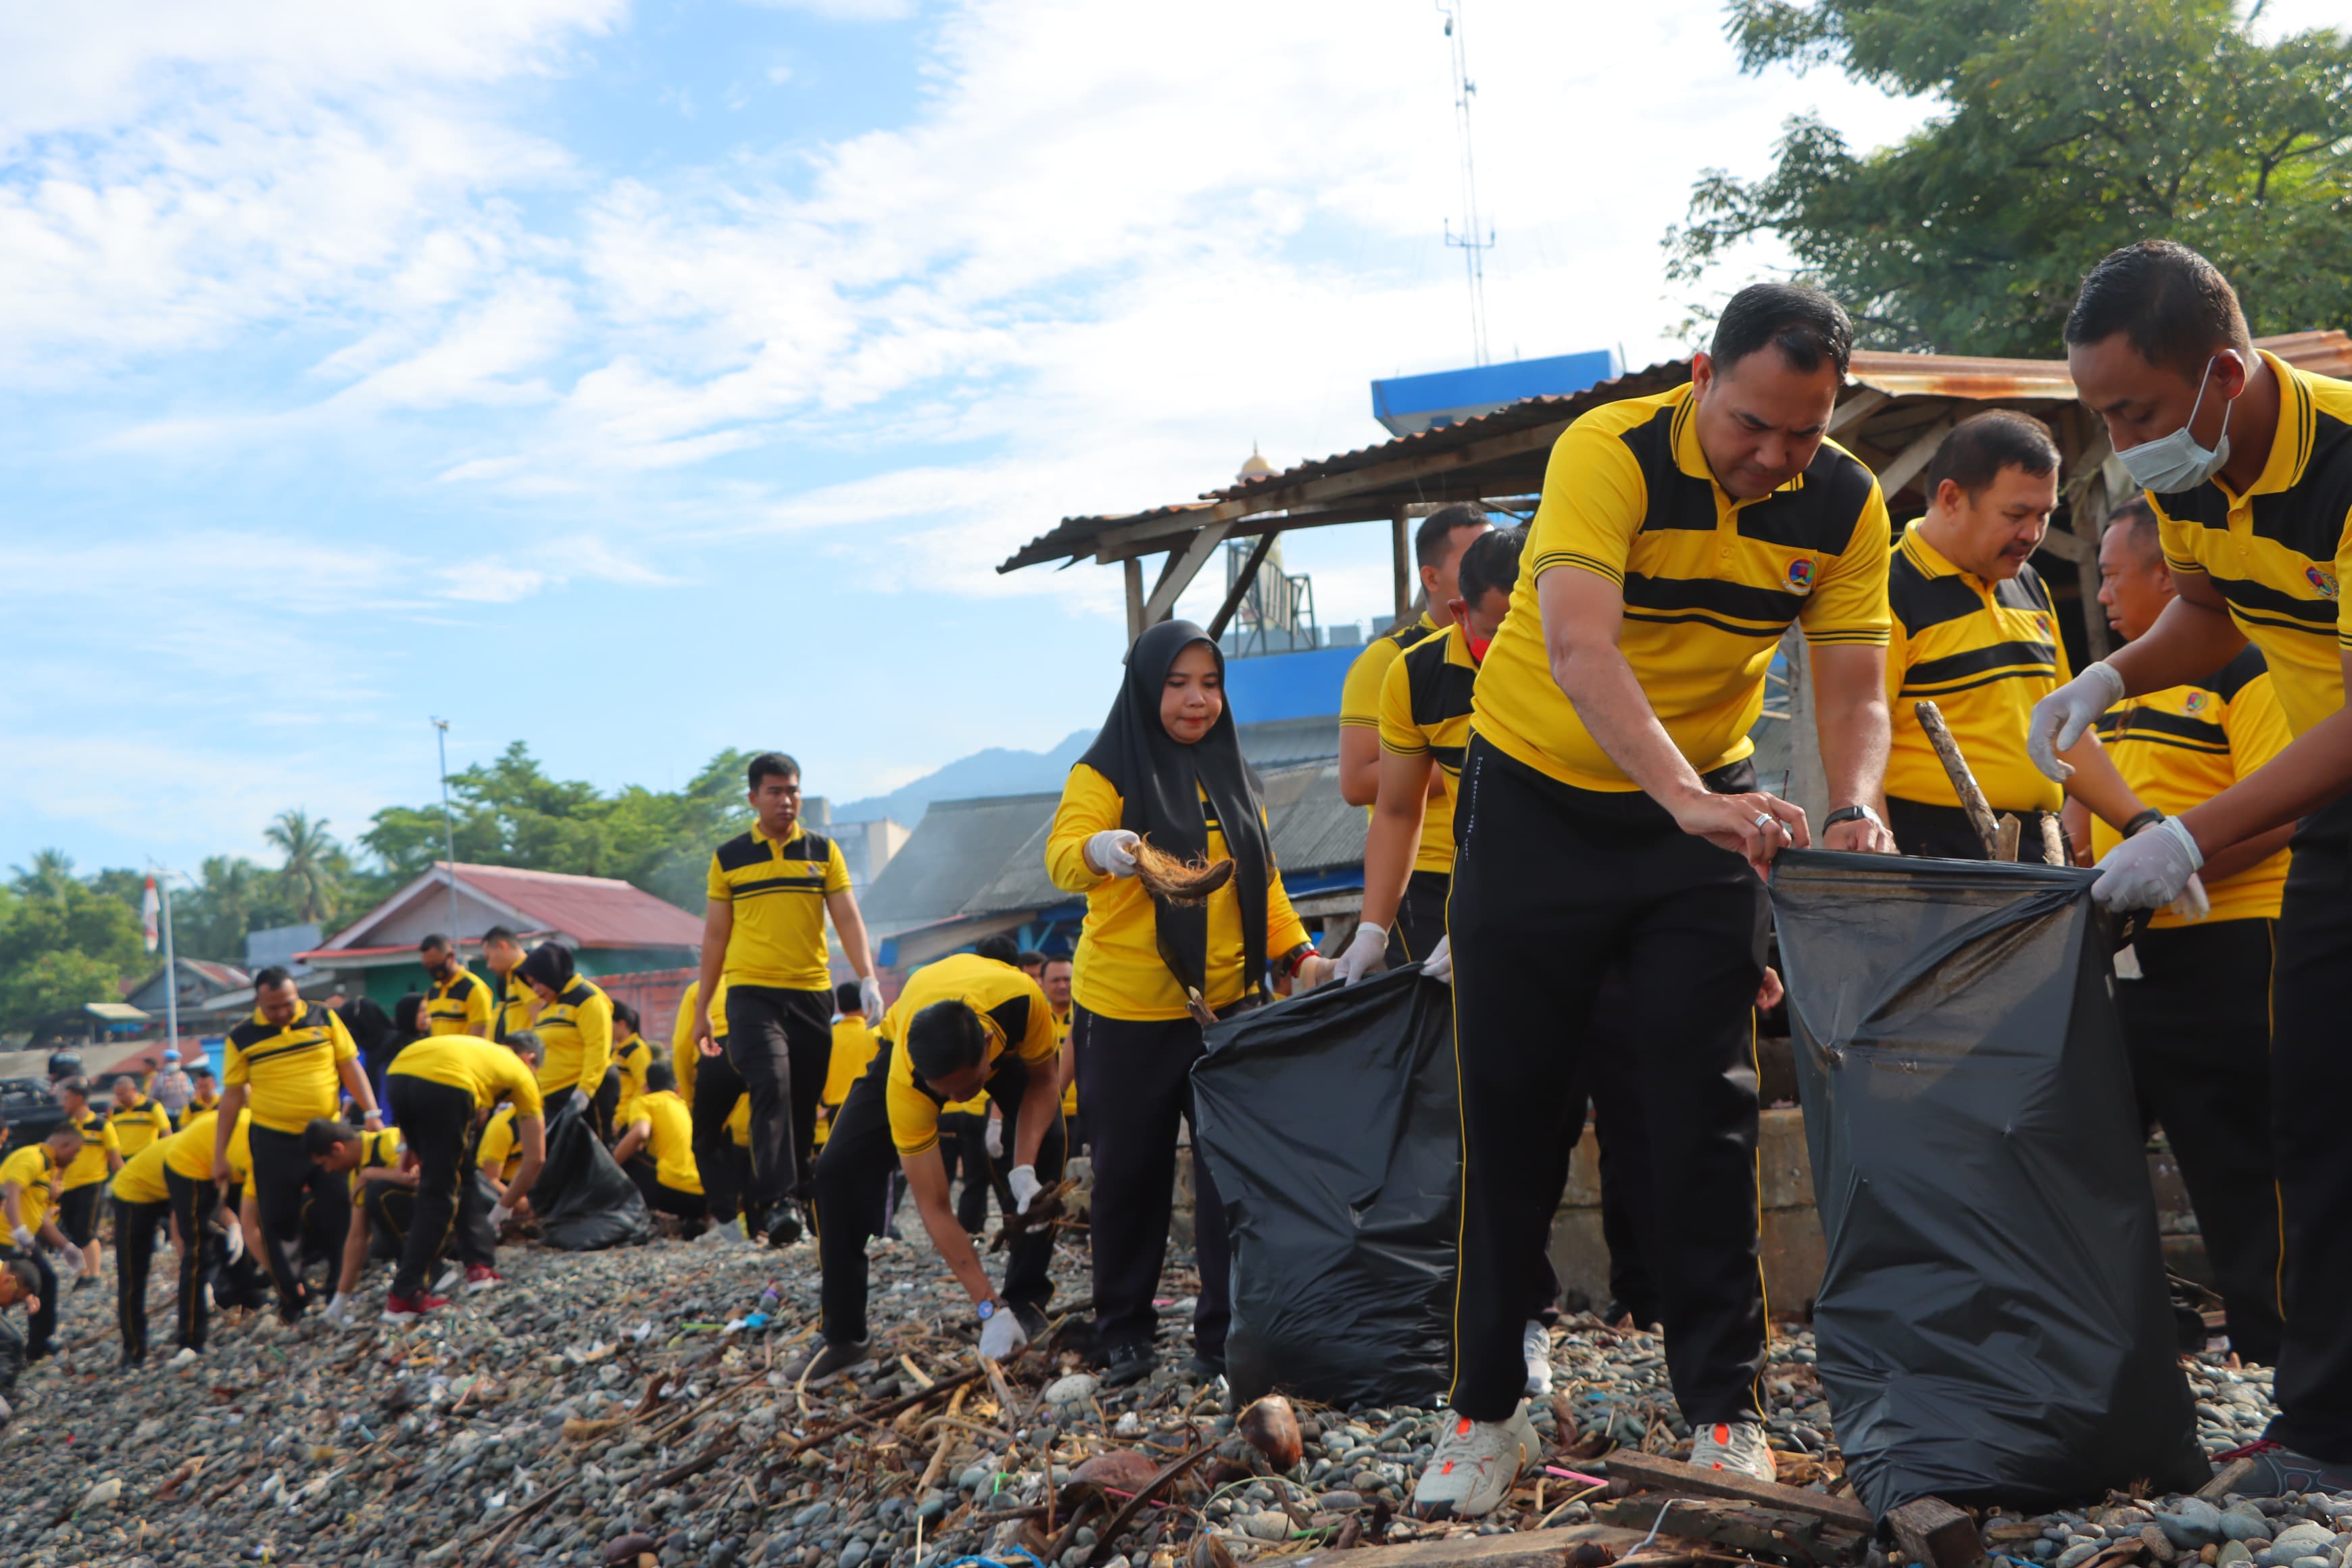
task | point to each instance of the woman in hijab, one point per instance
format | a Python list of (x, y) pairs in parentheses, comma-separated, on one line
[(574, 1023), (1167, 767)]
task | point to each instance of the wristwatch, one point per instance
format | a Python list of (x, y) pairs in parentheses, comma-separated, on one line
[(1851, 814), (2147, 818), (988, 1309)]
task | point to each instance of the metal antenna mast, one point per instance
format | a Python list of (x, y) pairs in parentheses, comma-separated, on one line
[(1469, 242)]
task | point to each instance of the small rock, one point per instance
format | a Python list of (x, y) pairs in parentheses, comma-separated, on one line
[(853, 1553), (2159, 1545), (102, 1495), (2080, 1551), (1074, 1389), (1271, 1525), (2300, 1541)]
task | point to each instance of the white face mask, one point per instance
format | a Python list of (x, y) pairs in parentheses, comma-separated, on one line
[(2170, 464)]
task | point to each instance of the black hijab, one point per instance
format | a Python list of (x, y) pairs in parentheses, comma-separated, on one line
[(1161, 780), (550, 963)]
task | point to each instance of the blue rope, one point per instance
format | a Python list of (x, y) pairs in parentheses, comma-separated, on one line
[(994, 1561)]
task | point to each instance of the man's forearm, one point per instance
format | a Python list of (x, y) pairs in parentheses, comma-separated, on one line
[(1041, 1107), (1389, 846), (2189, 642), (851, 925), (1854, 752), (2245, 855), (2312, 771), (954, 1247)]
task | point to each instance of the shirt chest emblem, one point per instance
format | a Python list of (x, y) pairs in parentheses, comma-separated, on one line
[(2196, 704), (2321, 580), (1801, 575)]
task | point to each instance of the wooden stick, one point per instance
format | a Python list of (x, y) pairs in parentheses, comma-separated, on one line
[(2008, 831), (1671, 1476), (2053, 842), (1955, 766)]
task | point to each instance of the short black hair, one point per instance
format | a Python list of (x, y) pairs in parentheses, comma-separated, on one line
[(434, 941), (202, 1069), (945, 1039), (27, 1277), (848, 997), (79, 1086), (321, 1134), (1980, 447), (659, 1076), (625, 1013), (526, 1042), (1030, 958), (2137, 517), (1053, 958), (501, 933), (772, 762), (1806, 325), (2173, 306), (1492, 562), (274, 976), (1000, 947), (1429, 540)]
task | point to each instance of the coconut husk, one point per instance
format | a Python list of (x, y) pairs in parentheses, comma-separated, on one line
[(1179, 881)]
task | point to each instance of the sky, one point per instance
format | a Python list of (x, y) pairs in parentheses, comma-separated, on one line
[(640, 378)]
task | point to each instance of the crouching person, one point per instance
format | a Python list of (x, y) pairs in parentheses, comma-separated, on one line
[(656, 1149), (31, 1181), (964, 1025)]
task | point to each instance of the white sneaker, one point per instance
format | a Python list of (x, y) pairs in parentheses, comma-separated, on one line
[(186, 1357), (1474, 1466), (1735, 1446), (452, 1277), (1536, 1344)]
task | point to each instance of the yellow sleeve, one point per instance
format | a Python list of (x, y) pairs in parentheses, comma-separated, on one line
[(2057, 638), (2256, 724), (836, 869), (914, 1120), (594, 1021), (714, 887), (1359, 694), (2343, 576), (233, 1070), (683, 1056), (481, 1012), (109, 1141), (1090, 806), (1039, 1043), (345, 1050), (2176, 536), (1849, 604), (1284, 929), (1594, 501), (1399, 734), (632, 1112), (1899, 663)]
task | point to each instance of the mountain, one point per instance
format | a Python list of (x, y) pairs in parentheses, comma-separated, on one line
[(996, 771)]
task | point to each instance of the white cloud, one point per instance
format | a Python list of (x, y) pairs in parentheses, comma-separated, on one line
[(845, 10)]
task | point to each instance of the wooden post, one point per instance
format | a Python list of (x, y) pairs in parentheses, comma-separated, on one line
[(1809, 783), (1134, 570), (1401, 553), (1964, 782)]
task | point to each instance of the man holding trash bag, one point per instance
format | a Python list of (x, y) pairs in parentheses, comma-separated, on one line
[(2248, 463), (1608, 817)]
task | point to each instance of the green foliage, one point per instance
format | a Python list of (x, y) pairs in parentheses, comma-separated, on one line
[(2070, 126), (509, 812), (63, 942), (315, 864), (232, 897)]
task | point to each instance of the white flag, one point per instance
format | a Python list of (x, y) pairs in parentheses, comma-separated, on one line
[(151, 911)]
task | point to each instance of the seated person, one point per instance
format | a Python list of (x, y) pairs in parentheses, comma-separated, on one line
[(657, 1150)]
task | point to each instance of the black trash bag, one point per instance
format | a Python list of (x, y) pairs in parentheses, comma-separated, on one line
[(1993, 1324), (1332, 1132), (585, 1202), (392, 1206)]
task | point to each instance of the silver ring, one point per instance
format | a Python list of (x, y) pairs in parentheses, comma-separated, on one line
[(1767, 821)]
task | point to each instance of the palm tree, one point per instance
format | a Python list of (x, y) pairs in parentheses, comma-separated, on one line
[(49, 875), (309, 873)]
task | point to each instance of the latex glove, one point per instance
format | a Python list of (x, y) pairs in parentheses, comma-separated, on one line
[(869, 996), (235, 1242), (25, 1239), (2192, 905), (993, 1138), (2150, 868), (1367, 951), (1439, 965), (1025, 1185), (1113, 849), (1002, 1334), (499, 1214), (340, 1314), (2059, 718)]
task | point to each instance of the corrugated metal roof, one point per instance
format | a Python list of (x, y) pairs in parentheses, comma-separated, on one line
[(1314, 829), (957, 849), (596, 911), (1287, 742)]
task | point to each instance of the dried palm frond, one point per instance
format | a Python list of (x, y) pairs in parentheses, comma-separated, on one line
[(1178, 882)]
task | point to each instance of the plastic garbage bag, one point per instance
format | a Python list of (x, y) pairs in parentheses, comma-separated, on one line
[(584, 1200), (1993, 1323), (1331, 1133)]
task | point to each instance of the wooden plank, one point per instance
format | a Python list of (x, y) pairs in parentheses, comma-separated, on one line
[(1134, 574), (1672, 1475), (1240, 590), (1181, 568), (1524, 1549), (1861, 406), (1907, 462), (1931, 1530), (2008, 831), (1399, 558), (2225, 1479)]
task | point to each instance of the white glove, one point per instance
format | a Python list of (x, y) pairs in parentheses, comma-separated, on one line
[(2192, 905), (1002, 1334), (339, 1314), (1367, 949), (25, 1239), (1113, 849), (499, 1214), (2150, 868), (235, 1242), (869, 996), (1439, 965), (2059, 718), (1025, 1185), (993, 1138)]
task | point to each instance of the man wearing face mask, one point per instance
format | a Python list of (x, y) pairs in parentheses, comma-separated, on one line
[(2248, 464), (458, 1003), (1977, 634)]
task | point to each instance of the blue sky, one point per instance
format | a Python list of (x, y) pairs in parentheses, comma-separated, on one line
[(636, 380)]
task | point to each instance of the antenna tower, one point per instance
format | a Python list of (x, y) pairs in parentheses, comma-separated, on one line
[(1473, 247)]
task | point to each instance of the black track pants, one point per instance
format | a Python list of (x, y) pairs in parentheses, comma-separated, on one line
[(287, 1190), (1420, 918), (135, 1228), (1135, 1084), (1552, 887), (436, 1122), (781, 1042), (1945, 833), (716, 1088), (1612, 1080), (852, 1190), (2198, 1026), (963, 1148), (692, 1207), (42, 1327), (2311, 1083)]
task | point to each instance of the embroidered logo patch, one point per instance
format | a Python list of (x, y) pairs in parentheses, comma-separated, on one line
[(2195, 702), (1801, 575), (2323, 581)]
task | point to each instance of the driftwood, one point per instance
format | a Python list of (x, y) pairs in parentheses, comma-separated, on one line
[(1964, 782)]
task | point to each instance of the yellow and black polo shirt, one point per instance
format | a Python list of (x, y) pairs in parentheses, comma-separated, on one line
[(1012, 1013), (141, 1179), (142, 1123), (515, 1000), (462, 1004), (577, 1030), (1360, 703), (1984, 653), (1062, 1043), (289, 1073), (1710, 581), (2281, 552), (500, 1151), (196, 1106), (378, 1152), (778, 889), (1426, 713), (488, 1072), (189, 1151), (88, 1166), (2181, 747), (32, 1170), (632, 1060)]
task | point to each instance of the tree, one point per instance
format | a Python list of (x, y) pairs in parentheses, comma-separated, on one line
[(232, 898), (63, 943), (314, 863), (2071, 127)]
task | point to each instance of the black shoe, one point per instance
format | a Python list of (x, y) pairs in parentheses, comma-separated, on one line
[(84, 1282), (1129, 1363), (1204, 1367), (786, 1229), (828, 1359), (132, 1361), (2280, 1470)]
